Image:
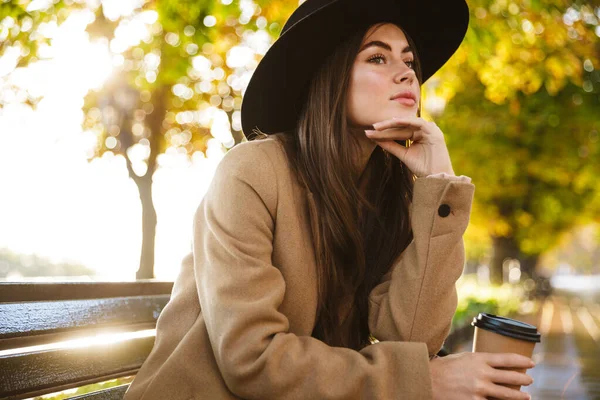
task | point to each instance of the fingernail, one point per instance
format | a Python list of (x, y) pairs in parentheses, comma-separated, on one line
[(375, 125)]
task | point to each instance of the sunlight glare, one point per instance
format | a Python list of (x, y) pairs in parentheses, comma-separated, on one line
[(239, 56), (96, 340), (9, 59), (37, 5), (113, 9), (131, 32), (220, 128)]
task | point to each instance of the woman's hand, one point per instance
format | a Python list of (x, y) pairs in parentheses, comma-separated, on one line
[(427, 153), (475, 376)]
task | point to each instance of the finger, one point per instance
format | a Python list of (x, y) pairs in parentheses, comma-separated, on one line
[(400, 122), (508, 360), (403, 143), (510, 377), (503, 392), (417, 134), (391, 134), (393, 148)]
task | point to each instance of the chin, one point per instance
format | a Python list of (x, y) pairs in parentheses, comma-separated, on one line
[(400, 113)]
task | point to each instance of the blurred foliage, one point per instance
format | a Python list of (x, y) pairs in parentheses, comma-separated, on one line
[(183, 72), (476, 237), (15, 266), (180, 68), (23, 35), (521, 93), (579, 248), (23, 25), (506, 300), (522, 98)]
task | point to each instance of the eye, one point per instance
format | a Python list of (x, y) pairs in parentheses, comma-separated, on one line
[(409, 63), (376, 57)]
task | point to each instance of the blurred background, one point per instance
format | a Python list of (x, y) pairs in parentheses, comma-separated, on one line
[(115, 113)]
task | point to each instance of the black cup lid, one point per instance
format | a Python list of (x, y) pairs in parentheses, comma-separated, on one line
[(507, 327)]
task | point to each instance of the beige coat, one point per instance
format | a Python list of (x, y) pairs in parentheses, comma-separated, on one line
[(239, 322)]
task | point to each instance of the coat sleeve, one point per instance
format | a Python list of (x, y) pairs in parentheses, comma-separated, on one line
[(240, 293), (416, 300)]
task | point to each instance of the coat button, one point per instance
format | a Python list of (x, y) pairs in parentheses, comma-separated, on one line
[(444, 210)]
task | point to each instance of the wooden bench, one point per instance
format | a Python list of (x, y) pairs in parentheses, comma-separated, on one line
[(43, 327)]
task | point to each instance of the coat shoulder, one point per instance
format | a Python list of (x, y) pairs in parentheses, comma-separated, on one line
[(257, 157), (259, 164)]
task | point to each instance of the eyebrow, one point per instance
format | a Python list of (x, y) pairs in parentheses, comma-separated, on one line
[(377, 43)]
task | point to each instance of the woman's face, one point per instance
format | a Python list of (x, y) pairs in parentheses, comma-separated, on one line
[(383, 69)]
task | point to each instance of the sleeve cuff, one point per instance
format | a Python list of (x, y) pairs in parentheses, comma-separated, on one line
[(444, 175)]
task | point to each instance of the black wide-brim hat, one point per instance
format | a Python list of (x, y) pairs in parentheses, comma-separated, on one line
[(275, 94)]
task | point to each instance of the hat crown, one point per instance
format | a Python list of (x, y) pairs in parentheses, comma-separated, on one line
[(305, 9)]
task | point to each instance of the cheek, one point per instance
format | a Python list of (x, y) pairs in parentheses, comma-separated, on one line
[(368, 91), (370, 82)]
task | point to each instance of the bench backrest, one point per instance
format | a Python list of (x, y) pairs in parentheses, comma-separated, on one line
[(57, 336)]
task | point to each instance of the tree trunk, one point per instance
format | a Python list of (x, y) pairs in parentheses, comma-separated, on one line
[(146, 269), (144, 183), (504, 247), (528, 264), (149, 218)]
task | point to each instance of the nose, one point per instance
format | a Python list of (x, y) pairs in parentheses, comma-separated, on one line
[(405, 75)]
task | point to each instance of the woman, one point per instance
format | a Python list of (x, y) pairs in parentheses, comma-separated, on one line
[(318, 236)]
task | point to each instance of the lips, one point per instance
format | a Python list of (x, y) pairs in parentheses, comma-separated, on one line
[(406, 98), (406, 101)]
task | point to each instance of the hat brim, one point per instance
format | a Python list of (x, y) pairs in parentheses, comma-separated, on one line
[(274, 96)]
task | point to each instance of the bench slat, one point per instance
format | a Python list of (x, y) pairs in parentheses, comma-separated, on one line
[(113, 393), (46, 317), (34, 374), (46, 291), (51, 313)]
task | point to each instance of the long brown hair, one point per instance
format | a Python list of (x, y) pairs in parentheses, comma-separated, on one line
[(357, 238)]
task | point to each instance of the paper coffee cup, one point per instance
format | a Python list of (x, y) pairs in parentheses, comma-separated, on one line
[(495, 334)]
